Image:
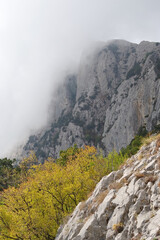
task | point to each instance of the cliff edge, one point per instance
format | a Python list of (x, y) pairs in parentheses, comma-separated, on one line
[(115, 92)]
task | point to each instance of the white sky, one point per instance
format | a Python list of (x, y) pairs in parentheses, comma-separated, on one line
[(40, 39)]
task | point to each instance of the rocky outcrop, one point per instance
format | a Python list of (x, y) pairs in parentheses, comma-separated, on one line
[(115, 92), (125, 205)]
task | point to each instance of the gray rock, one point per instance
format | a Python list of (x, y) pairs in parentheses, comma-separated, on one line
[(102, 185), (130, 212), (115, 92)]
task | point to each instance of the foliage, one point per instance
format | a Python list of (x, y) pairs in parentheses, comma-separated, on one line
[(66, 155), (118, 227), (133, 147), (12, 174), (136, 143), (91, 136), (156, 129), (142, 131), (26, 164), (49, 192), (29, 161), (114, 160), (8, 173)]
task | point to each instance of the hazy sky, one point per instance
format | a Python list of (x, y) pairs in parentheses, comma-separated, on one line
[(40, 39)]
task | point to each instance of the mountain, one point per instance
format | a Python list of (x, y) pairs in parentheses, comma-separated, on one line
[(125, 204), (114, 94)]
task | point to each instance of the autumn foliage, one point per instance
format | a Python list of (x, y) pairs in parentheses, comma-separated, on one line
[(50, 192)]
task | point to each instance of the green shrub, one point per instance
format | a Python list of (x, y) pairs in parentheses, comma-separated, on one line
[(136, 143)]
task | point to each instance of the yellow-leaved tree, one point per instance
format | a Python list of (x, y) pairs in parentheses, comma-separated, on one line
[(36, 208)]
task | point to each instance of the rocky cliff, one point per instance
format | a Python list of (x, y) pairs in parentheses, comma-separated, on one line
[(125, 205), (115, 92)]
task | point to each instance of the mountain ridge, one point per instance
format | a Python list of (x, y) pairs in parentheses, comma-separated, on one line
[(115, 92)]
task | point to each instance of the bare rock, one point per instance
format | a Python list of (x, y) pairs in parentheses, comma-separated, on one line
[(130, 212), (115, 92)]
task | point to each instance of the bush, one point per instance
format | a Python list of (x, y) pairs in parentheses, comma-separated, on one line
[(9, 173), (133, 147), (136, 143)]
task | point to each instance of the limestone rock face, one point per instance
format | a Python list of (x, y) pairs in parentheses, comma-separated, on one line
[(125, 205), (115, 92)]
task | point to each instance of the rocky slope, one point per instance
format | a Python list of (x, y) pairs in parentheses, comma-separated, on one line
[(115, 92), (125, 205)]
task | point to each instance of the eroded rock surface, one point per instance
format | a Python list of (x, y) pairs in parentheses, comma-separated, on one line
[(115, 92), (125, 205)]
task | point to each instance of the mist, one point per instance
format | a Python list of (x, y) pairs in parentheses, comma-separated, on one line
[(41, 39)]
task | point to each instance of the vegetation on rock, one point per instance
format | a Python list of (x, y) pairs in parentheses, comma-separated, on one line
[(9, 174)]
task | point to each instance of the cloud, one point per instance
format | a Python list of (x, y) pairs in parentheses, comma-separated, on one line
[(40, 39)]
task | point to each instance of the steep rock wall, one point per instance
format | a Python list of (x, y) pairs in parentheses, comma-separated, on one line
[(115, 92)]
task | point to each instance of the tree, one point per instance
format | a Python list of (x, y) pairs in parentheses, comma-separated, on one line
[(8, 173), (50, 192)]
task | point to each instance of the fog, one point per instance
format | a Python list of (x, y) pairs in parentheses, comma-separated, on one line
[(41, 39)]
